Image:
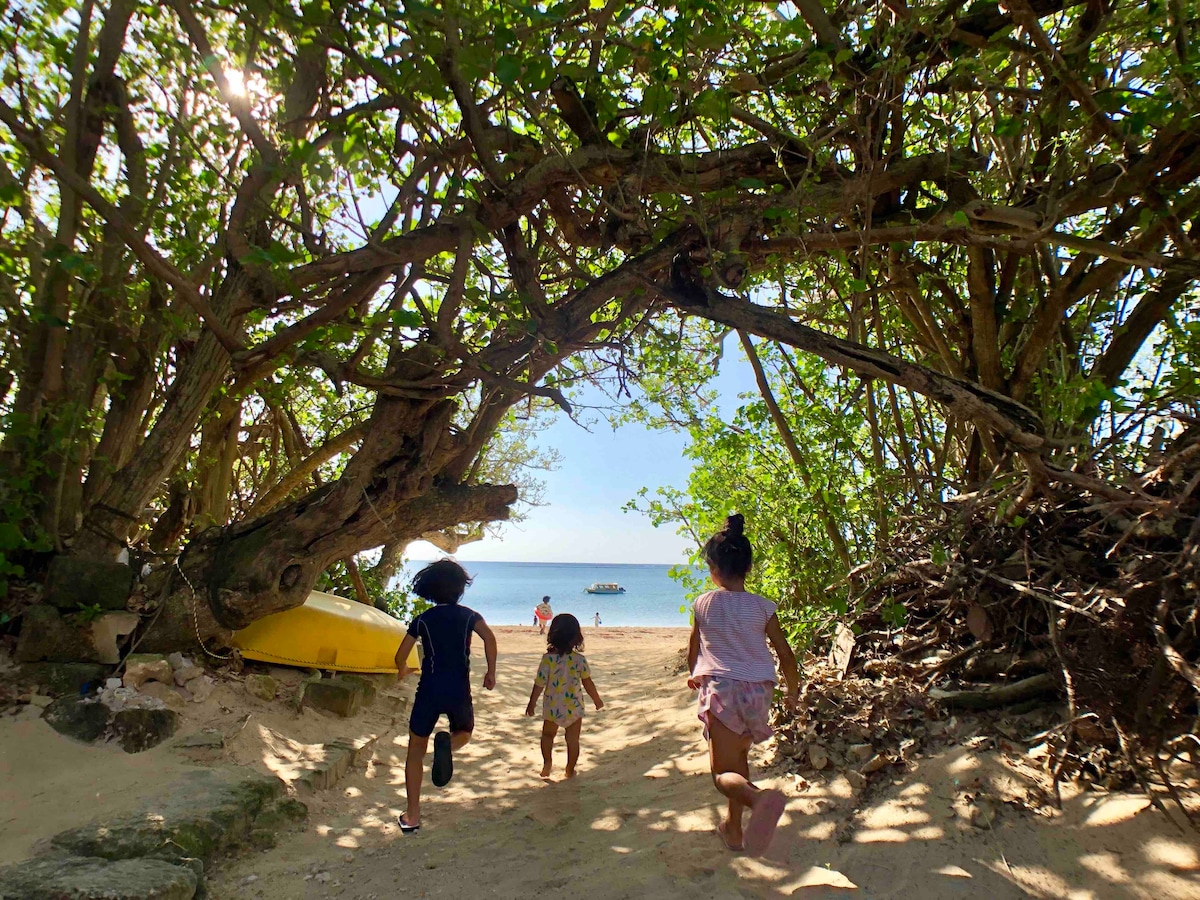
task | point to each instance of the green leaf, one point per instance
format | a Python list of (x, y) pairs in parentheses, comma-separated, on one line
[(539, 72), (1009, 127), (257, 256), (10, 536), (407, 318), (508, 70)]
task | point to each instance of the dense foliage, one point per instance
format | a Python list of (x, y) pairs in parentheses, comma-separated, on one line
[(1034, 272), (280, 280)]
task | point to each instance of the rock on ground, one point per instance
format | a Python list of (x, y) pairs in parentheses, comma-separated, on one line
[(201, 689), (136, 727), (206, 812), (340, 697), (67, 878), (84, 720), (143, 667), (262, 686), (139, 729), (168, 695)]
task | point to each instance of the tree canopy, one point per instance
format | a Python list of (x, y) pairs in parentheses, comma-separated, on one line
[(282, 281)]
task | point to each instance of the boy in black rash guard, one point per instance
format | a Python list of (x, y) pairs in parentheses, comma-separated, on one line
[(445, 687)]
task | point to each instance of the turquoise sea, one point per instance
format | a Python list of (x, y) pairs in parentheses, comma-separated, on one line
[(505, 593)]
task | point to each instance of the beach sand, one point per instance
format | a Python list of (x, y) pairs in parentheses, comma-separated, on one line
[(637, 821)]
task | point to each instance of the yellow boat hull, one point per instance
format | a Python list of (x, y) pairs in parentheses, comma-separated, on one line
[(327, 632)]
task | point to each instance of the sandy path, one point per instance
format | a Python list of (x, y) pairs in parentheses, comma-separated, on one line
[(638, 820)]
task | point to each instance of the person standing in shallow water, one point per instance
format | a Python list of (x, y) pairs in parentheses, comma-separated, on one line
[(733, 671), (445, 632)]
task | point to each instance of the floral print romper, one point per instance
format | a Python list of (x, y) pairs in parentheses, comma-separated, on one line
[(561, 676)]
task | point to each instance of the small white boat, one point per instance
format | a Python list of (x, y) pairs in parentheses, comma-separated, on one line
[(605, 587)]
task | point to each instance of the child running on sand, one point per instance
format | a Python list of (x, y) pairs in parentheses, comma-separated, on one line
[(562, 672), (444, 631), (733, 670)]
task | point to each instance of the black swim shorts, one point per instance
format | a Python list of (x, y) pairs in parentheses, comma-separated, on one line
[(435, 700)]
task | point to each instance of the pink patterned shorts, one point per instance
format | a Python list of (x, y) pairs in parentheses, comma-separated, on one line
[(744, 707)]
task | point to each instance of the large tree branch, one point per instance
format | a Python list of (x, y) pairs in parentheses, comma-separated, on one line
[(1015, 422)]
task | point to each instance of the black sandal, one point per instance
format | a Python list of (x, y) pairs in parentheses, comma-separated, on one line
[(443, 760), (405, 828)]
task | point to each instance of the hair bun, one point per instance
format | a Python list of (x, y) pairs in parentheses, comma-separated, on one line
[(735, 524)]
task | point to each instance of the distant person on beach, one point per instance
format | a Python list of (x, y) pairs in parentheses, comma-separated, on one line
[(564, 676), (596, 619), (732, 669), (544, 614), (444, 631)]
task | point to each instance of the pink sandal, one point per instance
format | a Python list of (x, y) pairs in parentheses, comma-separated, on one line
[(720, 829), (764, 817)]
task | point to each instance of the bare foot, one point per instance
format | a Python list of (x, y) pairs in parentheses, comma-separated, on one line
[(545, 771), (569, 773), (724, 832)]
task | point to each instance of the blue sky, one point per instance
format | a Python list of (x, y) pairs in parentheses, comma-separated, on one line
[(582, 520)]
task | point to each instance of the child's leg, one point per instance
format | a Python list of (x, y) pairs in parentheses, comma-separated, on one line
[(549, 730), (461, 715), (572, 734), (728, 754), (414, 773)]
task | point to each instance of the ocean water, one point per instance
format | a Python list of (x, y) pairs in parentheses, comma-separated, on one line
[(505, 593)]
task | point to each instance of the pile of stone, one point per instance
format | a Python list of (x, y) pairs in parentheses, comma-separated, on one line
[(172, 679), (140, 710)]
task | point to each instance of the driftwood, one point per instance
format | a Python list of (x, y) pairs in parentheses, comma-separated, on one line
[(1005, 695)]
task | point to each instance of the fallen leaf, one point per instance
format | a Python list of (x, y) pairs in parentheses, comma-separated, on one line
[(842, 650), (979, 623), (875, 763), (819, 877), (954, 872), (817, 756)]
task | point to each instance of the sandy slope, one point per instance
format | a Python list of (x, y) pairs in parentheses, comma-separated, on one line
[(638, 820)]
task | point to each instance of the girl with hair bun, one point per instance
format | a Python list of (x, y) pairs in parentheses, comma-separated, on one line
[(734, 672)]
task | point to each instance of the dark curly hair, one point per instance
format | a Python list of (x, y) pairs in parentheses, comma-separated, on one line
[(565, 635), (729, 551), (441, 582)]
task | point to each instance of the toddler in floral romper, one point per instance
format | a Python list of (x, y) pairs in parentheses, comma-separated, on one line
[(564, 677)]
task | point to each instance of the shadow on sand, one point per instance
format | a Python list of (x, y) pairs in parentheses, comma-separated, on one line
[(638, 821)]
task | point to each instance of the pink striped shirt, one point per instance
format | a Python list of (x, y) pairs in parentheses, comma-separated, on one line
[(733, 629)]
